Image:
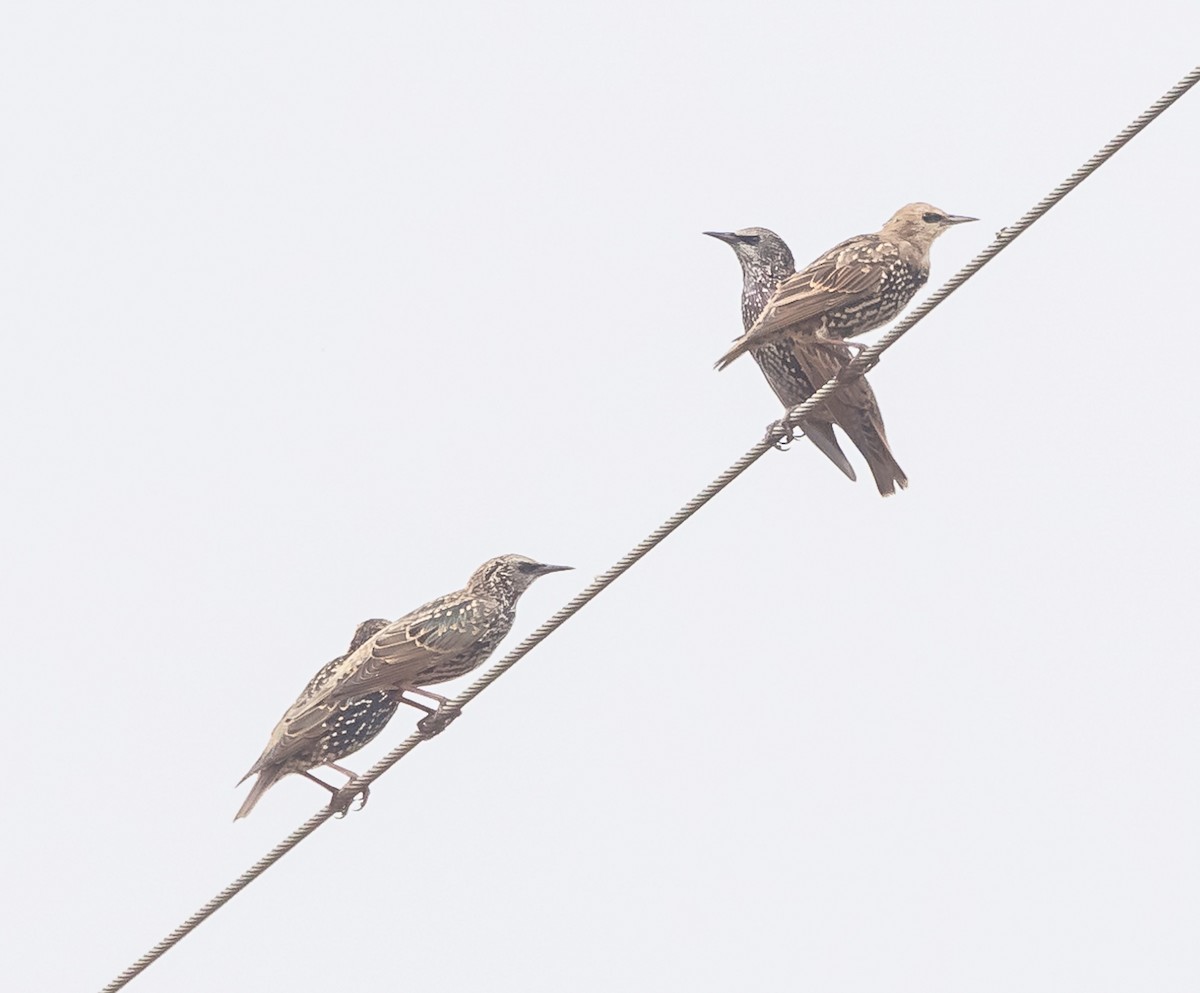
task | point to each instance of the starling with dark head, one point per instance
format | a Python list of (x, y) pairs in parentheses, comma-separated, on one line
[(795, 370), (766, 261), (855, 287), (349, 701)]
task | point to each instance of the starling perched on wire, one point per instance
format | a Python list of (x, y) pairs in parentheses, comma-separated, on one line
[(350, 700), (854, 287), (766, 261), (344, 731), (794, 370)]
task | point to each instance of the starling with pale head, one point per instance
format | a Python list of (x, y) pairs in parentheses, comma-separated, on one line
[(795, 371), (855, 287), (350, 700)]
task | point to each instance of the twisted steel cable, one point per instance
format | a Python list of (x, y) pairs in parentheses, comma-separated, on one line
[(780, 431)]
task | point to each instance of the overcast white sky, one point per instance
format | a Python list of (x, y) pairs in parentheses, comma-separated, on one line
[(308, 309)]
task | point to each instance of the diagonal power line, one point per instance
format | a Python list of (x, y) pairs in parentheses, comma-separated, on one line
[(860, 364)]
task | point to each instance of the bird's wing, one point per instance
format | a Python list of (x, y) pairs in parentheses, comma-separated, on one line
[(837, 279), (329, 673), (405, 653), (842, 277), (289, 734), (286, 736), (400, 654), (410, 650)]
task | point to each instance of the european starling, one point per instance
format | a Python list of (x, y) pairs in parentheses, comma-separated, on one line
[(344, 731), (349, 701), (854, 287), (766, 261), (794, 371)]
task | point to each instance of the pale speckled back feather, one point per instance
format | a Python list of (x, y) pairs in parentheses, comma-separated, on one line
[(317, 688), (409, 651), (841, 277)]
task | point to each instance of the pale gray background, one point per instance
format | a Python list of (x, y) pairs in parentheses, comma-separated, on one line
[(309, 309)]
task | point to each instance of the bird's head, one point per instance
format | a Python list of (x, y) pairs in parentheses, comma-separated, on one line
[(514, 573), (366, 631), (758, 248), (920, 223)]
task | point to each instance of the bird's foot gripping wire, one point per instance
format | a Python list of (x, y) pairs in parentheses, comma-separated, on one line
[(437, 722), (823, 337), (342, 800), (438, 717), (782, 433)]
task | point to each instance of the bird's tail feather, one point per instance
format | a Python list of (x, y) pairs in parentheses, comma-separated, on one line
[(821, 435), (739, 346), (266, 779), (856, 411), (884, 467), (864, 427)]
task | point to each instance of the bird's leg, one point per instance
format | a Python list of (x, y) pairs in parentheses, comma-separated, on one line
[(337, 801), (340, 799), (435, 720), (320, 782), (350, 775), (822, 336), (413, 703)]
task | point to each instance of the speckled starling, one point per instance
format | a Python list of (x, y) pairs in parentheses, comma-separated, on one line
[(795, 370), (349, 701), (766, 261), (857, 286), (344, 731)]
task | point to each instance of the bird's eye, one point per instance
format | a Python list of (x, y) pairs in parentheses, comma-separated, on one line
[(749, 239), (932, 218)]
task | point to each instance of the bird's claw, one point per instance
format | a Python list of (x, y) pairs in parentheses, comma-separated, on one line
[(437, 722), (786, 431), (342, 800), (848, 374)]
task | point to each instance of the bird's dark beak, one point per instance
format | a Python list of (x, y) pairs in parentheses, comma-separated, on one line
[(959, 219), (726, 236), (542, 568)]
